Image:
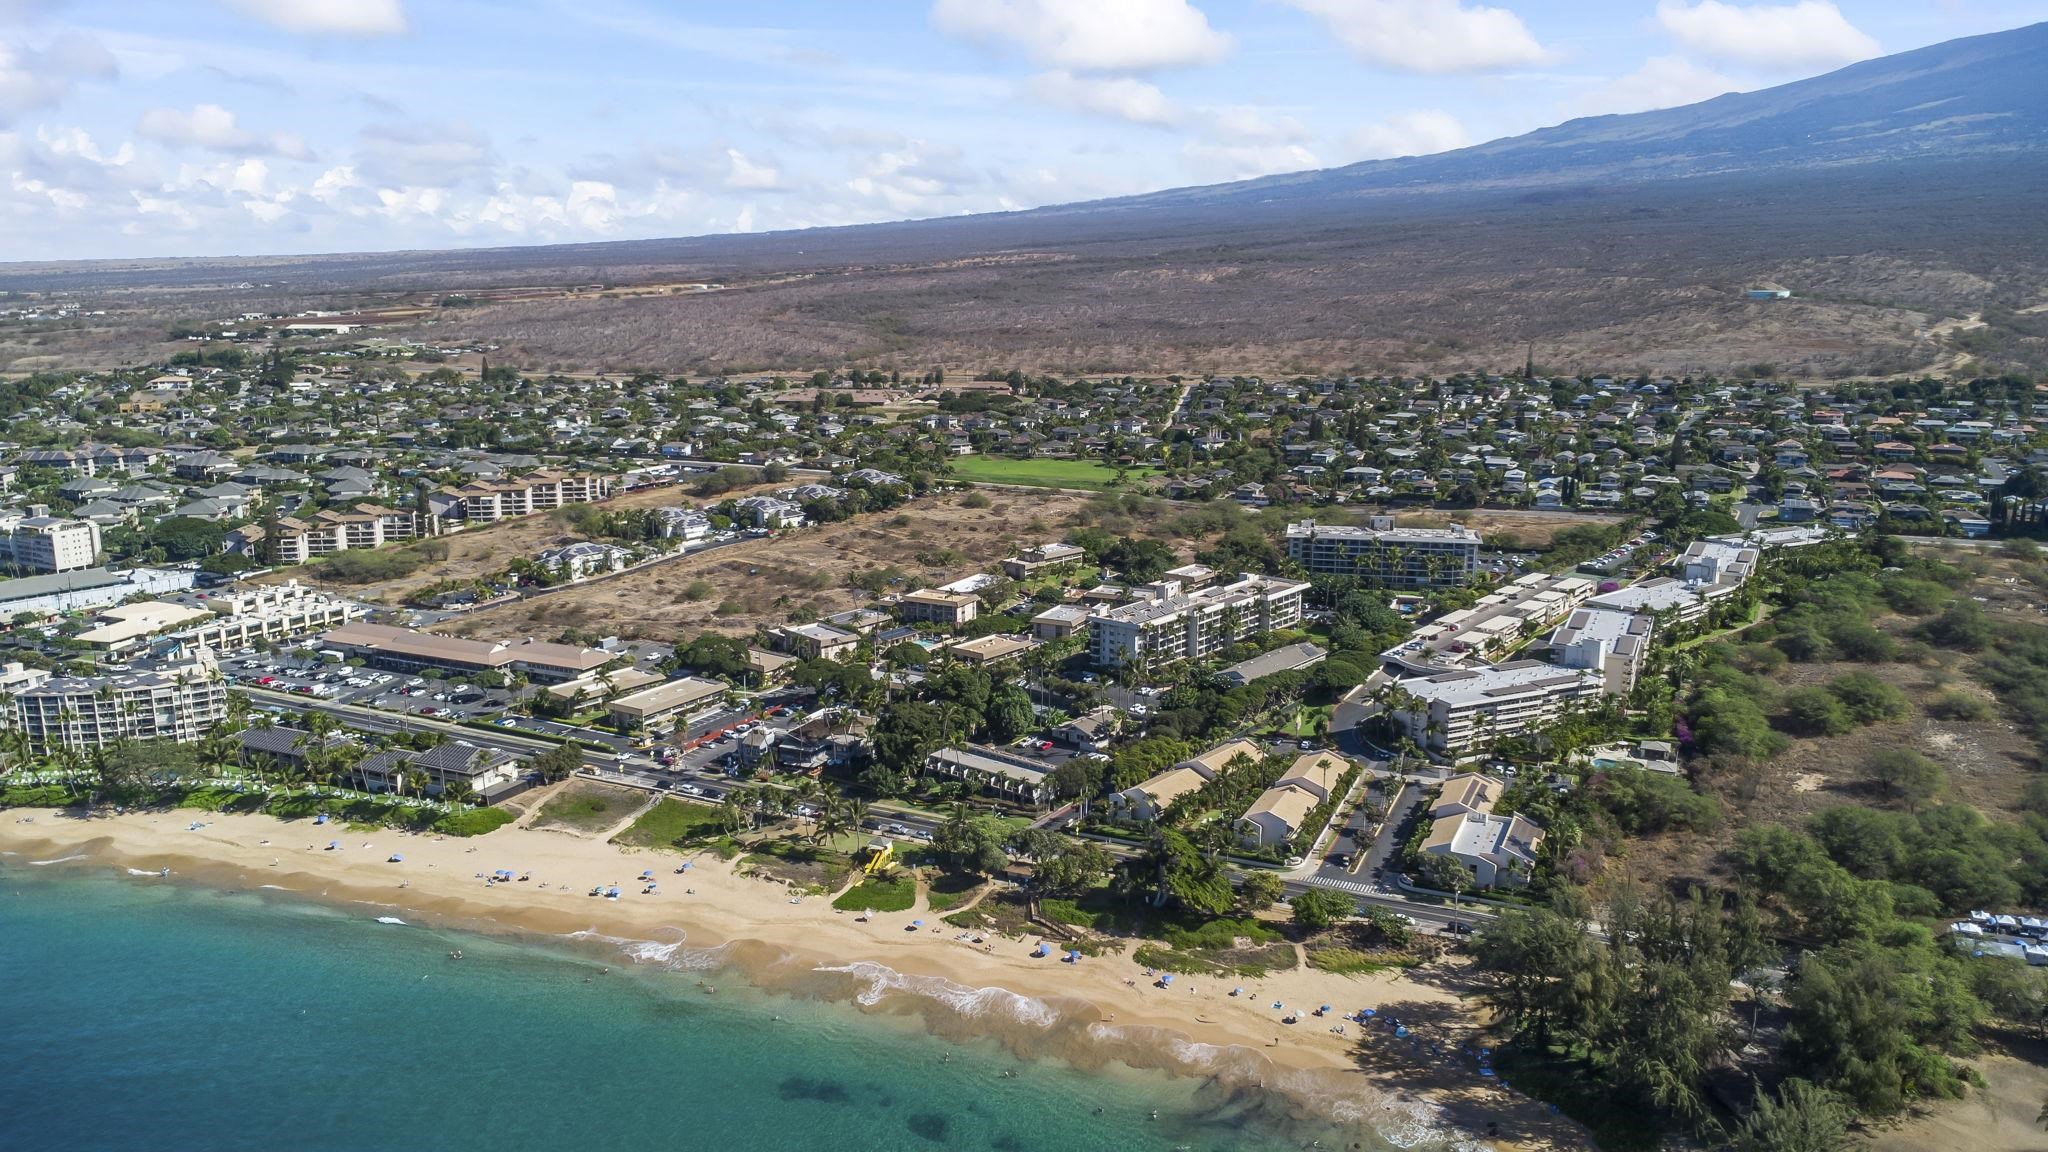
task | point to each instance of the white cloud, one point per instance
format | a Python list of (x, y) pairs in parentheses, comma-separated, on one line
[(1418, 133), (1429, 36), (1211, 161), (327, 17), (213, 128), (1767, 35), (1089, 35), (1244, 124), (34, 78), (422, 155), (745, 173), (1120, 97), (1662, 82)]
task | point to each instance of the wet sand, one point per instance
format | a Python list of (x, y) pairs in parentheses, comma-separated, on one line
[(711, 917)]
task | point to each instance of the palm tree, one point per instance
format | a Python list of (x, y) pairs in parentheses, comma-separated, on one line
[(458, 792)]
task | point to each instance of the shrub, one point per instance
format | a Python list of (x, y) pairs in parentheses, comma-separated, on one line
[(1814, 712), (1961, 626), (1954, 705), (974, 500), (473, 822), (1868, 699), (1643, 802)]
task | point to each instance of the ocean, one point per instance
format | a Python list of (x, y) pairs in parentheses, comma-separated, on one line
[(144, 1014)]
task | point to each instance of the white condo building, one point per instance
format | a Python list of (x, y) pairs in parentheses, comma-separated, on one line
[(1608, 641), (1167, 624), (1455, 712), (1386, 555), (53, 544), (178, 701)]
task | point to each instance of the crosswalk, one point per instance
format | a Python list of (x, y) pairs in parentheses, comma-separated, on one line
[(1355, 887)]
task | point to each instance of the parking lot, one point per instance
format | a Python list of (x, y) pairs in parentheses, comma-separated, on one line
[(368, 687)]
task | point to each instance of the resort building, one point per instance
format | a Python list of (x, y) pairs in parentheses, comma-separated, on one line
[(1498, 849), (1148, 799), (1278, 814), (1385, 555), (991, 649), (1059, 622), (998, 771), (1042, 558), (769, 512), (491, 775), (268, 613), (1168, 624), (1288, 658), (1456, 713), (172, 701), (816, 641), (330, 530), (664, 704), (481, 502), (685, 524), (1493, 627), (928, 606), (404, 650), (1608, 641), (1708, 571), (53, 544)]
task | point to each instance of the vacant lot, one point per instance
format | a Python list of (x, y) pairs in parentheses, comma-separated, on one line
[(1509, 527), (1084, 474), (673, 823), (586, 807), (760, 582), (480, 552)]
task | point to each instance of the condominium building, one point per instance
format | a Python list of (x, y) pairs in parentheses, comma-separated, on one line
[(1167, 624), (273, 612), (1608, 641), (482, 501), (1386, 555), (172, 701), (1455, 713), (929, 606), (1040, 558), (1708, 571), (333, 530), (53, 544)]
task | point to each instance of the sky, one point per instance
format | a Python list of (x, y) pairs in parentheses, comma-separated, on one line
[(133, 128)]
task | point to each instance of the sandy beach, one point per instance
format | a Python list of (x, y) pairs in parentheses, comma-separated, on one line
[(712, 915)]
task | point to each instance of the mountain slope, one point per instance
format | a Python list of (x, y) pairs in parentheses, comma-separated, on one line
[(1889, 196), (1977, 96)]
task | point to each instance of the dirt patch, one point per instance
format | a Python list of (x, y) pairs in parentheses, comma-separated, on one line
[(756, 583), (1510, 528)]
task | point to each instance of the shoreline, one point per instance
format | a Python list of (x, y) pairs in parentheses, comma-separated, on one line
[(1100, 1010)]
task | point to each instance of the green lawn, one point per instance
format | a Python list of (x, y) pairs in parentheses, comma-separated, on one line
[(883, 894), (1041, 473), (673, 824)]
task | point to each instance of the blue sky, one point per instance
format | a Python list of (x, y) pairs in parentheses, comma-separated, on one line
[(208, 127)]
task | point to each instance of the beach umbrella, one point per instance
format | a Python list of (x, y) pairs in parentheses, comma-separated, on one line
[(1166, 979), (1324, 1008), (917, 923), (397, 859), (333, 844), (648, 874), (1369, 1013)]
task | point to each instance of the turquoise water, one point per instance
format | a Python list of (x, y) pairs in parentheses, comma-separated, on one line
[(142, 1015)]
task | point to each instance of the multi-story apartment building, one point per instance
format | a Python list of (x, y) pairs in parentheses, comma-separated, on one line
[(930, 606), (330, 530), (1167, 624), (1457, 713), (269, 612), (481, 502), (1609, 641), (43, 543), (1384, 554), (173, 701)]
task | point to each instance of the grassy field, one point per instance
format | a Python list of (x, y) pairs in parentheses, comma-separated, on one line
[(1041, 473), (673, 824), (883, 894)]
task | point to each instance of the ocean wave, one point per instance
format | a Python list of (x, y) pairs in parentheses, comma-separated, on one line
[(277, 887), (390, 920), (672, 956), (146, 871), (62, 859), (883, 980)]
